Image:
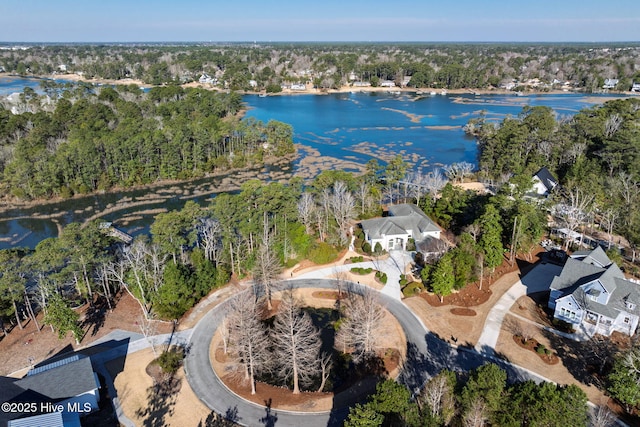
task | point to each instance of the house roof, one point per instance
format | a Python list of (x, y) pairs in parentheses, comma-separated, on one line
[(546, 178), (51, 419), (597, 257), (62, 382), (404, 218), (591, 266), (378, 227)]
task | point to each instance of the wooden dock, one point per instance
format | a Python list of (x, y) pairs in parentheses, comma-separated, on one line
[(110, 229)]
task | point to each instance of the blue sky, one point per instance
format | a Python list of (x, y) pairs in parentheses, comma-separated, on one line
[(327, 20)]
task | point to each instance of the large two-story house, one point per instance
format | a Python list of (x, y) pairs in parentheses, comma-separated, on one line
[(404, 222), (592, 291)]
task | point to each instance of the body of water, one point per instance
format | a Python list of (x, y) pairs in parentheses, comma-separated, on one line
[(426, 130)]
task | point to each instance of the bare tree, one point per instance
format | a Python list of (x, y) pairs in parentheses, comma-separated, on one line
[(320, 217), (601, 416), (210, 232), (434, 181), (326, 363), (102, 277), (612, 125), (362, 325), (575, 211), (364, 196), (224, 334), (342, 203), (608, 220), (267, 268), (439, 395), (474, 230), (476, 415), (306, 210), (149, 328), (519, 328), (296, 343), (248, 340)]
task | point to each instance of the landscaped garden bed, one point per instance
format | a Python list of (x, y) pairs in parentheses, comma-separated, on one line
[(547, 356)]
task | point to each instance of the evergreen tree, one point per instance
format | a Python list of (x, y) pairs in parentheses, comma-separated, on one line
[(442, 278), (490, 242), (63, 318)]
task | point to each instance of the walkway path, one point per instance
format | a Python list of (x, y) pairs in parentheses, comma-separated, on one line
[(394, 265), (537, 280)]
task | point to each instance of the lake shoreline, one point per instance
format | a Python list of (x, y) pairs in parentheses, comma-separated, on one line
[(426, 91)]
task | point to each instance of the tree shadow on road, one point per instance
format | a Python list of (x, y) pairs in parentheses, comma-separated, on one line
[(270, 418), (229, 419)]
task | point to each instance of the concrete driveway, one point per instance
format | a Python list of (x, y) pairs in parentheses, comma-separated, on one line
[(537, 280)]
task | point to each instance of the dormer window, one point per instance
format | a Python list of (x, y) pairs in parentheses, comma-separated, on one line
[(593, 294)]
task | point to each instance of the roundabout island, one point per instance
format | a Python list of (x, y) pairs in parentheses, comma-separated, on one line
[(425, 356)]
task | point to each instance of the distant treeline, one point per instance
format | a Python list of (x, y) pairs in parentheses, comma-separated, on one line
[(267, 66), (96, 138)]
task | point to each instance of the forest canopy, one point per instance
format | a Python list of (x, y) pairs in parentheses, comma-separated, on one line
[(95, 138)]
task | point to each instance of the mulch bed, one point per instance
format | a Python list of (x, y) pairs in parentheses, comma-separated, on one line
[(462, 311), (332, 295), (471, 295), (165, 383), (531, 345), (279, 396)]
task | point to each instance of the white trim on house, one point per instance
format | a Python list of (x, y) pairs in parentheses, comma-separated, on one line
[(405, 221)]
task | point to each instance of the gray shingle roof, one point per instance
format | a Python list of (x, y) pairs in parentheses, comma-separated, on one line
[(402, 218), (62, 382), (596, 257), (547, 178), (578, 272), (51, 419)]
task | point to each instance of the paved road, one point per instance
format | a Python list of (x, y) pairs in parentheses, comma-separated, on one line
[(426, 356)]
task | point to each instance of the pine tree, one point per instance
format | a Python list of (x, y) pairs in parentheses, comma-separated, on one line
[(442, 278), (490, 242)]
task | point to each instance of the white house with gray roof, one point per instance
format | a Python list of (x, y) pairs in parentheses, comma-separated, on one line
[(404, 222), (592, 291)]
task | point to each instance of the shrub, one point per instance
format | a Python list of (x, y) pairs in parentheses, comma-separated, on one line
[(540, 349), (547, 352), (273, 88), (170, 360), (366, 248), (563, 326), (403, 280), (412, 289), (323, 253), (361, 270), (378, 248), (382, 277), (355, 259)]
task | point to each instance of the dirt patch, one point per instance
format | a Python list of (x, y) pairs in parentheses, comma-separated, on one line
[(560, 373), (146, 404), (462, 311)]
